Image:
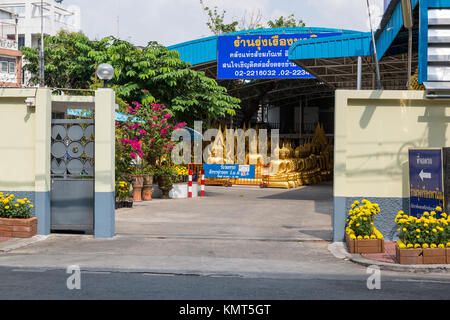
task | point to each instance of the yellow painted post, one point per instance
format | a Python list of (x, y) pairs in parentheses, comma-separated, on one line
[(42, 159)]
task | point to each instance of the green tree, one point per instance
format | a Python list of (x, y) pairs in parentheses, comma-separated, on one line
[(67, 62), (149, 74), (216, 21), (286, 22)]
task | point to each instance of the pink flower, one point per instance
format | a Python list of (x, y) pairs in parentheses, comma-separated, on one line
[(133, 156)]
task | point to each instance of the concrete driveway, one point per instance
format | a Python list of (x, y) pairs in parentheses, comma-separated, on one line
[(239, 212)]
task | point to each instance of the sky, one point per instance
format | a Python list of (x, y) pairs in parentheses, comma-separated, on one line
[(174, 21)]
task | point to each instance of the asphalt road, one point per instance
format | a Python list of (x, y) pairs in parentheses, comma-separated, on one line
[(52, 284)]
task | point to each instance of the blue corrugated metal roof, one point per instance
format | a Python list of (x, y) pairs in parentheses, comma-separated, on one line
[(346, 45), (205, 50), (356, 44)]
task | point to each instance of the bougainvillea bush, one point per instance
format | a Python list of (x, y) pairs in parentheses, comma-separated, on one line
[(147, 134)]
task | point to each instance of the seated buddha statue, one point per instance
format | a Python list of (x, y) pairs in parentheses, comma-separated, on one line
[(279, 168)]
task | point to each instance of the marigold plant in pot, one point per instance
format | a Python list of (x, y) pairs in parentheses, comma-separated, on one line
[(123, 195), (16, 220), (361, 235), (423, 240)]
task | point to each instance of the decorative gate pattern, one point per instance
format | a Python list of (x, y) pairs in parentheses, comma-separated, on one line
[(72, 172)]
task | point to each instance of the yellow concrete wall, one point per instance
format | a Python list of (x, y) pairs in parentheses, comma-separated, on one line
[(17, 143), (374, 130)]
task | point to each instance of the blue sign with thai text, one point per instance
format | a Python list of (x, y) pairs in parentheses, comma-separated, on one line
[(229, 171), (425, 180), (260, 56)]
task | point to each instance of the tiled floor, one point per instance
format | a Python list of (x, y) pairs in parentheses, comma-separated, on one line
[(387, 256)]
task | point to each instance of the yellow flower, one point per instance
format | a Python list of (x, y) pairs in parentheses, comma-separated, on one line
[(448, 245), (433, 245), (441, 246), (352, 236), (425, 246), (402, 246), (417, 245), (438, 209), (418, 230), (366, 237), (31, 206), (404, 229), (360, 238), (7, 207), (410, 245), (16, 205)]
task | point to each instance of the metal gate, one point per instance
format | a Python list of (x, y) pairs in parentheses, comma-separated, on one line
[(72, 173)]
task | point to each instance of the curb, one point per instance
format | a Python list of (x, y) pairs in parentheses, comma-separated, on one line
[(339, 250), (16, 243)]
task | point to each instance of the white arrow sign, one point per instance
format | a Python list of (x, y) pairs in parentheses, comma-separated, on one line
[(424, 175)]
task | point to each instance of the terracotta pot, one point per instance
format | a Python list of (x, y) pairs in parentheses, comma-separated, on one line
[(138, 184), (434, 256), (365, 245), (18, 228), (147, 188), (163, 184), (409, 256)]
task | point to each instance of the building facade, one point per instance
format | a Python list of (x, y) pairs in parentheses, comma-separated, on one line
[(56, 17), (10, 56)]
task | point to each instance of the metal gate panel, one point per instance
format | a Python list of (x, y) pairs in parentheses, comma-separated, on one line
[(72, 171)]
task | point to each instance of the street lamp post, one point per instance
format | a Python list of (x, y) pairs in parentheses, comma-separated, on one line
[(41, 51)]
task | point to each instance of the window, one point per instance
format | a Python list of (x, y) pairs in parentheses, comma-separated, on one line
[(12, 67), (4, 66)]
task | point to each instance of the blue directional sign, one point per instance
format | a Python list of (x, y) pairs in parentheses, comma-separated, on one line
[(229, 171), (260, 56), (425, 180)]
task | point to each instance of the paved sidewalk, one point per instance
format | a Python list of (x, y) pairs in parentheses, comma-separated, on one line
[(388, 256), (3, 239), (384, 261), (302, 214)]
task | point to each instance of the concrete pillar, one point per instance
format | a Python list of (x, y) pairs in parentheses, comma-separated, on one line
[(42, 159), (340, 162), (104, 209)]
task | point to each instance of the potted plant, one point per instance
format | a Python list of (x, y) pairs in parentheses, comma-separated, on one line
[(180, 188), (361, 235), (423, 240), (16, 219), (166, 176), (137, 181), (148, 173), (123, 195)]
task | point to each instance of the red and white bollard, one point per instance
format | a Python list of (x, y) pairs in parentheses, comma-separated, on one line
[(203, 184), (190, 184)]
